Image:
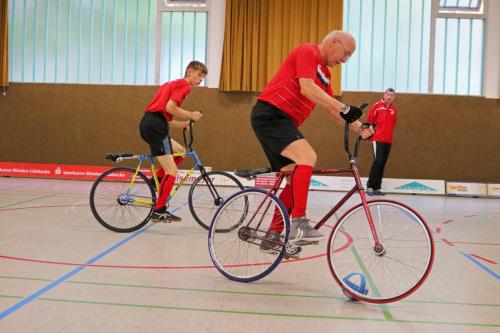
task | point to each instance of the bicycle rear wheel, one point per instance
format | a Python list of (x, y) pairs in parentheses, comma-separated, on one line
[(120, 206), (391, 272), (204, 198), (236, 253)]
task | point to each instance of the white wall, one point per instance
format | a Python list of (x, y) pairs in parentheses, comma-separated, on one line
[(492, 51), (216, 19)]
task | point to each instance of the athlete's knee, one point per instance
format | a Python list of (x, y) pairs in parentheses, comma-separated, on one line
[(308, 158)]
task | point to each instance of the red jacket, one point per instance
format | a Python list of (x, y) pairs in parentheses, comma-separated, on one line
[(385, 117)]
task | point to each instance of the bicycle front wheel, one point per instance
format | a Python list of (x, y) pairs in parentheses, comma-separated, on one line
[(386, 273), (120, 205), (206, 196), (238, 253)]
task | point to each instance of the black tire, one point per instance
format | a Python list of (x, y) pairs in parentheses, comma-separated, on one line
[(236, 253), (202, 202), (114, 204)]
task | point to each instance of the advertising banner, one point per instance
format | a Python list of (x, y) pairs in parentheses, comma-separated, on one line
[(466, 189)]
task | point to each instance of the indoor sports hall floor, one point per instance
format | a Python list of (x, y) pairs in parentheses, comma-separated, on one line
[(61, 271)]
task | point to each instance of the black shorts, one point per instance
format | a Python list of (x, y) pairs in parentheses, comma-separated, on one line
[(154, 130), (275, 131)]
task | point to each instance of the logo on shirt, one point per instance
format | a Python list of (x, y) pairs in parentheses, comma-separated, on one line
[(321, 76)]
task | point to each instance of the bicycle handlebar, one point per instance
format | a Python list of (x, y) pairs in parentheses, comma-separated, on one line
[(191, 139), (346, 136)]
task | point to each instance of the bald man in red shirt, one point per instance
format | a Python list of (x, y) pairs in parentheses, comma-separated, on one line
[(301, 83)]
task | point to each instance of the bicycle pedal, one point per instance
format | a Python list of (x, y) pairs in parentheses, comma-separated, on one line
[(292, 251)]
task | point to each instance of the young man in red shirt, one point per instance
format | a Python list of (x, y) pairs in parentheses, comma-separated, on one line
[(385, 114), (302, 81), (155, 125)]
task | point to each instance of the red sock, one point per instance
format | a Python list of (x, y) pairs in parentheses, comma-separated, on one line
[(178, 160), (286, 199), (300, 188), (167, 183), (160, 172)]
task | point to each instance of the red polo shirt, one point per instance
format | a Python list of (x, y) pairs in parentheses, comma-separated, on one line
[(175, 90), (385, 117), (283, 91)]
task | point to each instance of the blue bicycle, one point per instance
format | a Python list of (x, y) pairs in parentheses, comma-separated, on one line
[(122, 198)]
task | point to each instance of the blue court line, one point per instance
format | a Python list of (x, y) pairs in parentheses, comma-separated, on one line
[(481, 265), (55, 283)]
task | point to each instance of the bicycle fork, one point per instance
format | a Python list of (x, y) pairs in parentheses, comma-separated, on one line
[(377, 247)]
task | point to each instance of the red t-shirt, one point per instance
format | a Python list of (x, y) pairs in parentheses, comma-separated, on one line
[(175, 90), (385, 117), (283, 91)]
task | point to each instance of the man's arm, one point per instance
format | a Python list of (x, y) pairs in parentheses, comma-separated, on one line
[(176, 111), (310, 90), (178, 123)]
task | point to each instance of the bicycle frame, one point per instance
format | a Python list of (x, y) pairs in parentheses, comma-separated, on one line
[(197, 166), (142, 157), (358, 187)]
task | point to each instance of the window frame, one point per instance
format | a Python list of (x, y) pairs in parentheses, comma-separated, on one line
[(162, 7), (438, 12)]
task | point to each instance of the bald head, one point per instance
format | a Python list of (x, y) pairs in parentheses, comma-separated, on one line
[(337, 47)]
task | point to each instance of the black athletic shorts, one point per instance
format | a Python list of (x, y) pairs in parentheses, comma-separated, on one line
[(154, 130), (275, 131)]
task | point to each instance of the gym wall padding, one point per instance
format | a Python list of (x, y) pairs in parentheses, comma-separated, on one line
[(437, 137)]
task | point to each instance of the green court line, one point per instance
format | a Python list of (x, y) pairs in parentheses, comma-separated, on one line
[(230, 292), (385, 309), (254, 313), (33, 199)]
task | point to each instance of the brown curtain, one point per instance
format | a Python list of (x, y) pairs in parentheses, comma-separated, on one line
[(4, 50), (260, 33)]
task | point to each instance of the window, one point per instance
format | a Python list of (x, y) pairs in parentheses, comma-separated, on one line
[(458, 47), (418, 46), (104, 41)]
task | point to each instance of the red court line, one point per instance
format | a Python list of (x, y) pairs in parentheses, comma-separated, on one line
[(343, 247), (447, 221), (483, 259), (148, 267), (476, 243), (447, 242)]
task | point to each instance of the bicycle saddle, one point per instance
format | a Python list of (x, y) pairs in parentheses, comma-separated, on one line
[(114, 156), (251, 173)]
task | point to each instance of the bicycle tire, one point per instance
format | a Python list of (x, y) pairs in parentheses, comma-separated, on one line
[(202, 202), (392, 272), (236, 254), (113, 202)]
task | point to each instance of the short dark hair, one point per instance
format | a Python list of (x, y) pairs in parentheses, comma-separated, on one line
[(390, 90), (197, 66)]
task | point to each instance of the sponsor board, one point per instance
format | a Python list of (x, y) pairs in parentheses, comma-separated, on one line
[(466, 189), (414, 186), (389, 185), (81, 172), (494, 190), (63, 171), (320, 183)]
